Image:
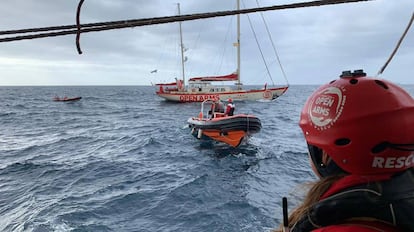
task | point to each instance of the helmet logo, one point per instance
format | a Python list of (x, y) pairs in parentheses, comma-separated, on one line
[(326, 107), (394, 162)]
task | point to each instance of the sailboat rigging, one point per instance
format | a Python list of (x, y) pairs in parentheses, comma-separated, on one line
[(199, 89)]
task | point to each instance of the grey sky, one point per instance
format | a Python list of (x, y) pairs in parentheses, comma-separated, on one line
[(314, 44)]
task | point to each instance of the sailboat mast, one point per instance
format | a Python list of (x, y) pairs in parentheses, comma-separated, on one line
[(181, 47), (238, 46)]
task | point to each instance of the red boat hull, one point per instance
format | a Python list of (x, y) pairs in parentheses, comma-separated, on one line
[(67, 99)]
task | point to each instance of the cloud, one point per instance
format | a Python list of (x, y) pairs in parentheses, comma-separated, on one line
[(314, 44)]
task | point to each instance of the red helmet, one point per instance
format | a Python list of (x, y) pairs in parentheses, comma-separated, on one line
[(230, 100), (365, 125)]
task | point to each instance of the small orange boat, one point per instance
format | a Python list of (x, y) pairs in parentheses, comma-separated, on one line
[(216, 126)]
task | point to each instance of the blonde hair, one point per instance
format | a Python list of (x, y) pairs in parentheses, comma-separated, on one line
[(316, 190)]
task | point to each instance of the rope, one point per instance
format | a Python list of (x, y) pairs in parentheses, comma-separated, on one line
[(260, 50), (103, 26), (273, 46), (78, 26), (398, 45)]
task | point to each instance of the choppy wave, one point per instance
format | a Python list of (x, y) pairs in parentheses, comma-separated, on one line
[(121, 159)]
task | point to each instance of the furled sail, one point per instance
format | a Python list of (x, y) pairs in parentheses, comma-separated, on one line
[(230, 77)]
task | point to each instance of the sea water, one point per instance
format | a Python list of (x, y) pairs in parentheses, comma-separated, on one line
[(123, 159)]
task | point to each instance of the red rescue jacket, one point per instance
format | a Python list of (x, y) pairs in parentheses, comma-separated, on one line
[(359, 226), (388, 200)]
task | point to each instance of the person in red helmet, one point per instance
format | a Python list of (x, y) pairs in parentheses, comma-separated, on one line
[(360, 136), (230, 107)]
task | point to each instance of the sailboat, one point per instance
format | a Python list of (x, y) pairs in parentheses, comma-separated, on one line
[(200, 89)]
